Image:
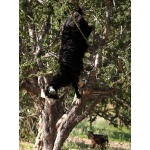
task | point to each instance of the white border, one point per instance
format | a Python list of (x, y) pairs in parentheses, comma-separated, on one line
[(9, 75), (140, 75)]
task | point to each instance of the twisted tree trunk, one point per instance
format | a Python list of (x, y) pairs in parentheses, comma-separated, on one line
[(56, 126)]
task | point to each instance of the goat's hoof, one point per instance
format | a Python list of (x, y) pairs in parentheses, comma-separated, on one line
[(52, 90), (76, 101)]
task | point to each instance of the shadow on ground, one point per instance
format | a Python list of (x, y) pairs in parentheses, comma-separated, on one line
[(84, 144)]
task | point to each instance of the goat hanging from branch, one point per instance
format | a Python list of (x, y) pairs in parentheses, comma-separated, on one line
[(74, 44)]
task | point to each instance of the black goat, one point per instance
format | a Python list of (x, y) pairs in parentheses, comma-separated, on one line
[(75, 31), (99, 139)]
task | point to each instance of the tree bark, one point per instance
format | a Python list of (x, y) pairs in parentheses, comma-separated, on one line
[(54, 134)]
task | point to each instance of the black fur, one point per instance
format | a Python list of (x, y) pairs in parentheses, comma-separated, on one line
[(73, 47), (99, 139)]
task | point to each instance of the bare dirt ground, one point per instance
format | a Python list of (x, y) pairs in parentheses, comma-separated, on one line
[(83, 141), (113, 145)]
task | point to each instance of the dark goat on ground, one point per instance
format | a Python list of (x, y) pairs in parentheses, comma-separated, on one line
[(73, 48), (99, 139)]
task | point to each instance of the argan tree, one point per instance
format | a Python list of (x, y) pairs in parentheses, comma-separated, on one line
[(105, 80)]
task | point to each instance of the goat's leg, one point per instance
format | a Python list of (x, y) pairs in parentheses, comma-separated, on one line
[(50, 92), (76, 90), (93, 144), (52, 87), (77, 98)]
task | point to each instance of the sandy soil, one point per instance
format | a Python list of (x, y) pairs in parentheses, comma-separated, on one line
[(113, 145), (86, 142)]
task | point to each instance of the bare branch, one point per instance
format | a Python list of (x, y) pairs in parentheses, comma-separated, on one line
[(41, 1), (88, 110), (29, 116), (44, 31), (51, 54), (30, 18), (107, 20)]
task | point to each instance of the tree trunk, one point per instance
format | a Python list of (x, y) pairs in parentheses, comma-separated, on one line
[(56, 126), (47, 129), (49, 115)]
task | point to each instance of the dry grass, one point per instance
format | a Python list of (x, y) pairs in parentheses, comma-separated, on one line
[(25, 146), (81, 143)]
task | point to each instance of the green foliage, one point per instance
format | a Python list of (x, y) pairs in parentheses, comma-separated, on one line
[(101, 126), (27, 121)]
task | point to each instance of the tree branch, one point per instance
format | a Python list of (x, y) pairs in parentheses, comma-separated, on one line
[(44, 31), (31, 26)]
